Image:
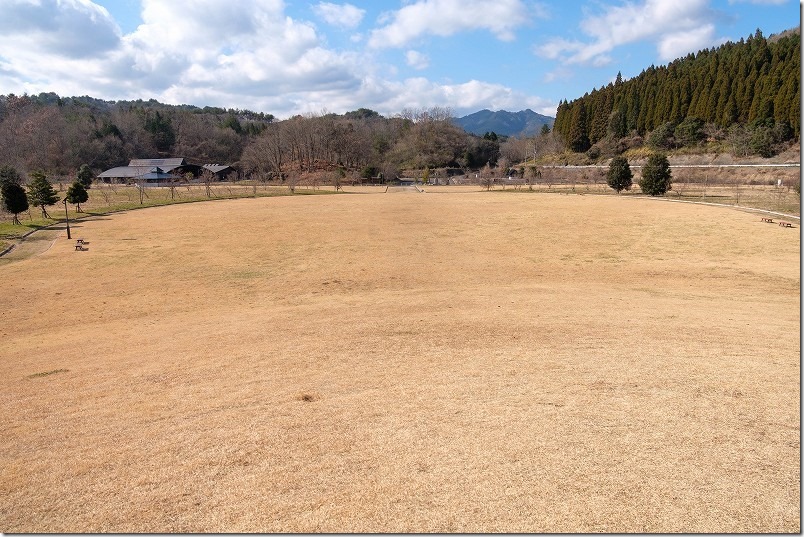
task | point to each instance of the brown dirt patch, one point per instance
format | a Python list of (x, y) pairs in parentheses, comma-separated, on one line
[(440, 362)]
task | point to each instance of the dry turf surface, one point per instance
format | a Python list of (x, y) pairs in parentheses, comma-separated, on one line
[(451, 361)]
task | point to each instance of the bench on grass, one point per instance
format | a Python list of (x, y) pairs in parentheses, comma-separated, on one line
[(785, 224), (766, 219)]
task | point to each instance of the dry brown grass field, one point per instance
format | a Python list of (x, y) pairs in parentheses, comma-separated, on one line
[(453, 361)]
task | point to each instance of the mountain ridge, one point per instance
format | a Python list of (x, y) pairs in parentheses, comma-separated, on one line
[(502, 122)]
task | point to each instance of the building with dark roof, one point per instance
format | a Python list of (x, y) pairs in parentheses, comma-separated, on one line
[(220, 171), (155, 170)]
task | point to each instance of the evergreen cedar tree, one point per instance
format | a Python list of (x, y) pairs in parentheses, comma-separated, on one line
[(619, 176), (754, 82), (77, 194), (41, 193), (14, 198), (656, 176)]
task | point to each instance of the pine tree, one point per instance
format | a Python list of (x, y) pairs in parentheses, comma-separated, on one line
[(41, 193), (77, 195)]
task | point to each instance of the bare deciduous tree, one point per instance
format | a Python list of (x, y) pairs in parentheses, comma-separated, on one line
[(486, 177), (265, 156), (207, 177), (516, 149)]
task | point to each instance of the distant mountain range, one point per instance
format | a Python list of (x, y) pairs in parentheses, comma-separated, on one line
[(522, 123)]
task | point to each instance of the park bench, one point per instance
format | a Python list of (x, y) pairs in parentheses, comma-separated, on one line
[(766, 219), (785, 224), (79, 244)]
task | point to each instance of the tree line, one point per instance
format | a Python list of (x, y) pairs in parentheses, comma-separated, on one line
[(365, 143), (747, 92), (57, 135), (40, 193)]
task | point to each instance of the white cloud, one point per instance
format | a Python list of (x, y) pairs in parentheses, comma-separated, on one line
[(203, 52), (448, 17), (676, 45), (77, 28), (341, 15), (417, 60), (182, 49), (391, 97), (556, 47), (675, 26), (55, 41), (560, 73)]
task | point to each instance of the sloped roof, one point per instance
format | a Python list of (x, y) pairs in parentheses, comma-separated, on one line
[(138, 167), (164, 163), (215, 168), (126, 171)]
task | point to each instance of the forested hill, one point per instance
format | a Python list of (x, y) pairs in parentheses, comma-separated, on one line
[(754, 83), (58, 134)]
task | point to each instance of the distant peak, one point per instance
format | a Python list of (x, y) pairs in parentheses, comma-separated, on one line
[(525, 122)]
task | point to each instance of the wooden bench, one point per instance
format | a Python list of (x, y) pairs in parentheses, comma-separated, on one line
[(785, 224), (78, 247), (766, 219)]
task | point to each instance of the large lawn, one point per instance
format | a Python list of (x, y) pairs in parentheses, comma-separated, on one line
[(451, 361)]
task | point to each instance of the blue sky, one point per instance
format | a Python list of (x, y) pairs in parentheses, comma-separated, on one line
[(301, 57)]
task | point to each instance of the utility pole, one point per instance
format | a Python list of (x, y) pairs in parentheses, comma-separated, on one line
[(67, 218)]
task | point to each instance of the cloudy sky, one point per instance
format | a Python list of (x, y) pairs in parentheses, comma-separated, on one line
[(310, 56)]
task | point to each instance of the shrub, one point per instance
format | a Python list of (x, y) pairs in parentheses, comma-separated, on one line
[(662, 136), (689, 132), (369, 171), (761, 142)]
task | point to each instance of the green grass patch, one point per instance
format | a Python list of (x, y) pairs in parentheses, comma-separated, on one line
[(10, 233)]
